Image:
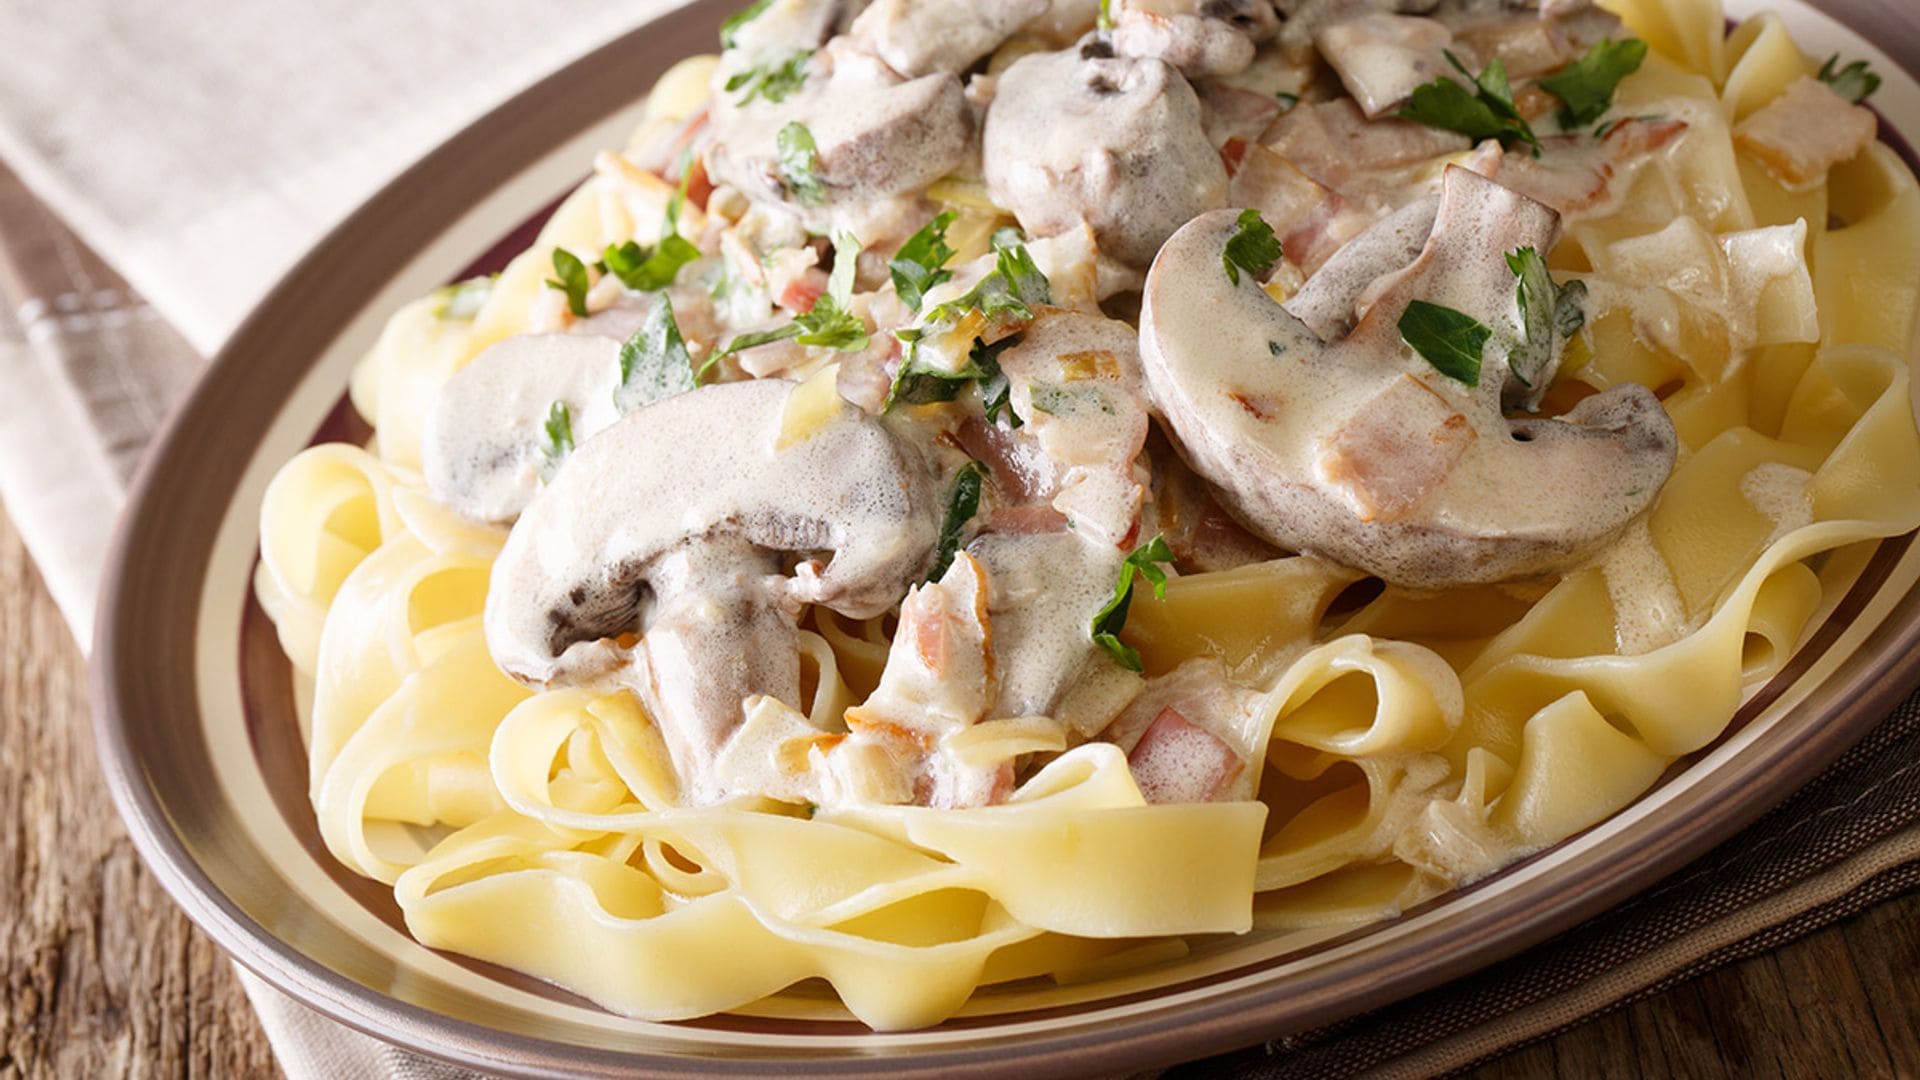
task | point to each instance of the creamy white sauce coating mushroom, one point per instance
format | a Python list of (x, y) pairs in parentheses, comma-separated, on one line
[(1358, 449), (678, 525), (1114, 142), (677, 552)]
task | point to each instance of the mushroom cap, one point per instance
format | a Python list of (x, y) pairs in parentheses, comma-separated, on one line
[(689, 470), (481, 448), (1115, 142), (1358, 449)]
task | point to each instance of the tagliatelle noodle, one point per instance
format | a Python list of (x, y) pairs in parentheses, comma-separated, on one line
[(1406, 742)]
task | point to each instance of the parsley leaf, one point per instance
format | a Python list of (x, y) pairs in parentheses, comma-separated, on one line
[(773, 82), (799, 164), (1252, 248), (1547, 311), (1450, 340), (1110, 619), (649, 269), (730, 30), (963, 501), (1103, 21), (654, 362), (1013, 288), (572, 275), (559, 439), (919, 384), (1486, 112), (1585, 87), (918, 265), (830, 323), (1853, 82)]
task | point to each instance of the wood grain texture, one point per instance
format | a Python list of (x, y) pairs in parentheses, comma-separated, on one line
[(104, 978)]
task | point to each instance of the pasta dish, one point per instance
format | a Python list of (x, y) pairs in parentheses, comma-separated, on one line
[(988, 491)]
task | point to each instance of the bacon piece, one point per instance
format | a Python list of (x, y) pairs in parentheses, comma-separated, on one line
[(1576, 173), (1232, 112), (1804, 132), (1331, 141), (1299, 208), (1395, 449), (1177, 761), (803, 291)]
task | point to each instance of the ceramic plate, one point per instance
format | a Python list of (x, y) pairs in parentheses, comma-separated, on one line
[(203, 753)]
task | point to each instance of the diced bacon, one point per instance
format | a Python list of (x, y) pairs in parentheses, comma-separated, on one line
[(803, 291), (1525, 43), (1026, 520), (1575, 173), (1020, 470), (1298, 207), (1232, 112), (699, 184), (1394, 449), (1177, 761), (1331, 141), (1804, 132), (1380, 57)]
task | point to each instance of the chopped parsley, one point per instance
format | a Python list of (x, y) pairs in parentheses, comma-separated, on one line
[(963, 501), (1252, 248), (654, 362), (830, 323), (1585, 87), (559, 442), (1112, 618), (1450, 340), (645, 269), (1485, 112), (799, 164), (1103, 22), (570, 277), (772, 82), (1853, 82), (919, 265), (1547, 312), (462, 299), (1012, 289), (730, 30), (1286, 100)]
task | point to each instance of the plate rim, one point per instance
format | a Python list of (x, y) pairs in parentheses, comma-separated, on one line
[(1230, 1020)]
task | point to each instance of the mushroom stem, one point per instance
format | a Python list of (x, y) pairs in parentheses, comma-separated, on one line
[(718, 598)]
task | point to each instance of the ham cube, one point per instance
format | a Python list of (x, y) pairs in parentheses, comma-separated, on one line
[(1177, 761), (1804, 132)]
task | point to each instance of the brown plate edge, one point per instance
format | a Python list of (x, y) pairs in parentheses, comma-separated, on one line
[(1751, 786)]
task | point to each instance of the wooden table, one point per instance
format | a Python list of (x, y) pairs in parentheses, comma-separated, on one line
[(104, 978)]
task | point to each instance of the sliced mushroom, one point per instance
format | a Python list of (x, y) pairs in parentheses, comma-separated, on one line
[(918, 37), (876, 135), (1328, 302), (1360, 450), (1114, 142), (483, 450), (677, 524), (1200, 37)]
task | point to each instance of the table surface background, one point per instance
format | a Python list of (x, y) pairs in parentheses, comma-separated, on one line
[(105, 978)]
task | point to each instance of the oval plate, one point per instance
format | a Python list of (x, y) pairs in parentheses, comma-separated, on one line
[(202, 753)]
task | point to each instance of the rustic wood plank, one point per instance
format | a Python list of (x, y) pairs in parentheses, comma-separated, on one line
[(103, 976)]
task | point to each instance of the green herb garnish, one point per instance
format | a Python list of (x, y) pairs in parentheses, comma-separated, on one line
[(799, 164), (1485, 112), (830, 323), (1450, 340), (644, 269), (572, 280), (559, 438), (1112, 618), (918, 266), (730, 29), (1585, 87), (1252, 248), (963, 501), (1286, 100), (654, 362), (1548, 312), (772, 82), (1853, 82)]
